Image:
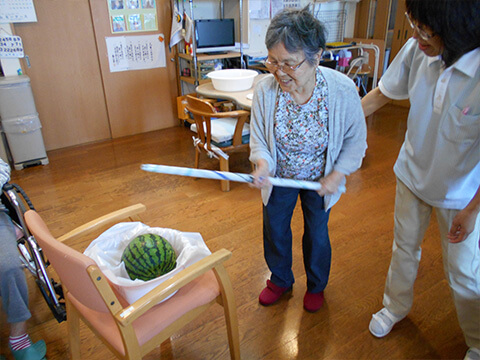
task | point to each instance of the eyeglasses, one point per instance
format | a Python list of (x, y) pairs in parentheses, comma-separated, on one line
[(422, 33), (272, 66)]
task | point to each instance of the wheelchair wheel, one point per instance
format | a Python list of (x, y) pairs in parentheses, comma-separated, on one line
[(33, 260), (31, 255)]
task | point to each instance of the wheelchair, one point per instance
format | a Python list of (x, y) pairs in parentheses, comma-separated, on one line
[(31, 255)]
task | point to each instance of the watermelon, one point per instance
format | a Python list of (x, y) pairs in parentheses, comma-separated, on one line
[(149, 256)]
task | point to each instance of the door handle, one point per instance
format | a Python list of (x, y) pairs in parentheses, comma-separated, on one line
[(27, 61)]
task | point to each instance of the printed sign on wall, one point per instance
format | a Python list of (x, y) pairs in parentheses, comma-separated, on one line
[(135, 52)]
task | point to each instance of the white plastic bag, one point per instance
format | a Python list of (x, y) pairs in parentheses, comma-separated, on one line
[(107, 250)]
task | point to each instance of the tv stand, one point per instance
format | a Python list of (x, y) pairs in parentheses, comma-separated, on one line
[(215, 53), (187, 60)]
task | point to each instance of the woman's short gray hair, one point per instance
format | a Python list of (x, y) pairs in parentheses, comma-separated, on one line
[(297, 30)]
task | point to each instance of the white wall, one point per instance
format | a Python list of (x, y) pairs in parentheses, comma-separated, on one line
[(202, 9), (211, 9), (205, 9), (258, 28)]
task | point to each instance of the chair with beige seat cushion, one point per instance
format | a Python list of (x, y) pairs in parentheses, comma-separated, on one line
[(218, 133), (133, 330)]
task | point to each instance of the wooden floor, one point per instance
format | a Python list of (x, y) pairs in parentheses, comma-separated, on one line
[(84, 182)]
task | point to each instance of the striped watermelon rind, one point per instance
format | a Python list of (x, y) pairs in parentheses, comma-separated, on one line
[(149, 256)]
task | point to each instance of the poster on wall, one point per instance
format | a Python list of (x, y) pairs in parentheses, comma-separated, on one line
[(132, 15), (17, 11), (135, 52)]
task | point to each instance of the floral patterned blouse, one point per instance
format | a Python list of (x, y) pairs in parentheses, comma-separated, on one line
[(301, 133)]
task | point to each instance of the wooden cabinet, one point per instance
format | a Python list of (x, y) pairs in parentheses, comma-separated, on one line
[(65, 75), (384, 20), (77, 97), (372, 21), (402, 30)]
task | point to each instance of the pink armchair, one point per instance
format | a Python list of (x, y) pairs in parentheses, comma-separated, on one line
[(132, 330)]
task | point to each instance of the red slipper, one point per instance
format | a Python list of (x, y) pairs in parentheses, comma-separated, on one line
[(272, 293), (313, 302)]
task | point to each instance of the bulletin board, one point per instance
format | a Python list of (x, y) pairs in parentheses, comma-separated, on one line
[(128, 16)]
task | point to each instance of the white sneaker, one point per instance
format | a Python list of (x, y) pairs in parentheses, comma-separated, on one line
[(382, 323), (472, 354)]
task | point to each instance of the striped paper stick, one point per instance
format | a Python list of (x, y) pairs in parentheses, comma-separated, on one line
[(225, 175)]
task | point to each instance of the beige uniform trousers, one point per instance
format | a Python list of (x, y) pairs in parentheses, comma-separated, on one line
[(461, 262)]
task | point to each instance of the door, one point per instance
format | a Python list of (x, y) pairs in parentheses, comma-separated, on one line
[(65, 74), (139, 100)]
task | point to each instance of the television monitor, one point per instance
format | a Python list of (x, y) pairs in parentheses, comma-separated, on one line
[(215, 35)]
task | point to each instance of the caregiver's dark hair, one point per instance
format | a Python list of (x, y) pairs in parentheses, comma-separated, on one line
[(297, 30), (456, 22)]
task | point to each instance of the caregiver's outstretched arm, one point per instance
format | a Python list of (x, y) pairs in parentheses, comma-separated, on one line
[(373, 101)]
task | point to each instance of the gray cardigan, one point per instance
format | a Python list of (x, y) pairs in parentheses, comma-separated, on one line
[(346, 123)]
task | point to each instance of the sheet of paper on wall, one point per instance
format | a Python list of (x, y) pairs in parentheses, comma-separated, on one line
[(11, 46), (259, 9), (17, 11), (294, 3), (136, 52), (278, 5)]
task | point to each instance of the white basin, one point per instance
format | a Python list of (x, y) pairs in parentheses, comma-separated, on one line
[(231, 80)]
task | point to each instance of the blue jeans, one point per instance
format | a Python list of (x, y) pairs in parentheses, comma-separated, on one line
[(277, 237)]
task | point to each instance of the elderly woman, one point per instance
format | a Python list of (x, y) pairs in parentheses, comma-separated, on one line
[(307, 123)]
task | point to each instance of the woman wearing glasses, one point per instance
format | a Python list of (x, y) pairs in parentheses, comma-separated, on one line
[(306, 124), (439, 163)]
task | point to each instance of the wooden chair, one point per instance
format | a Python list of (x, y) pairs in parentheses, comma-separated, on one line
[(359, 71), (132, 330), (218, 133)]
